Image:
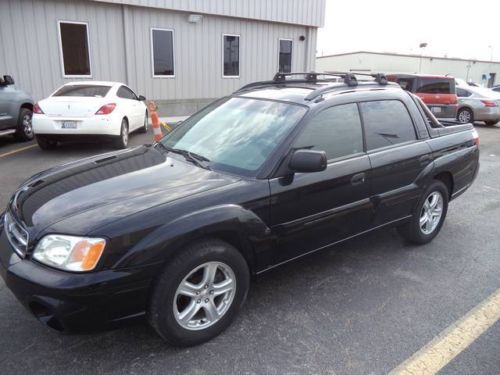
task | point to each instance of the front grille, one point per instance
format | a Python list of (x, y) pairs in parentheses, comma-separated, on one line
[(18, 236)]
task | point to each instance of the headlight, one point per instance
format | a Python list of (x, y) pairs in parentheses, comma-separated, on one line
[(69, 253)]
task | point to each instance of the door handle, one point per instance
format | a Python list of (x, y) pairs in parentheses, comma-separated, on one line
[(358, 179)]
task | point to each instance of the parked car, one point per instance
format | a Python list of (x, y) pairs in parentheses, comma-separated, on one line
[(277, 170), (478, 104), (89, 111), (16, 110), (437, 92), (496, 89), (459, 82)]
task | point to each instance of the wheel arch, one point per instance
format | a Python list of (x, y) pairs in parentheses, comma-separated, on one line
[(446, 178), (231, 223), (27, 105)]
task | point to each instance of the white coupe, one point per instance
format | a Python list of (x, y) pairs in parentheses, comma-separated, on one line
[(82, 110)]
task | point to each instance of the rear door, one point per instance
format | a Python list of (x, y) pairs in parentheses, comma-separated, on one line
[(131, 106), (396, 155), (312, 210)]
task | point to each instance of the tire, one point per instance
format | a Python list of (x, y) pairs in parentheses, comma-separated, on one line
[(46, 143), (491, 123), (121, 141), (413, 231), (24, 130), (167, 304), (465, 115), (144, 128)]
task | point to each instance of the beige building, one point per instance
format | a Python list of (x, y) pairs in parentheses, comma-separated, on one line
[(485, 73)]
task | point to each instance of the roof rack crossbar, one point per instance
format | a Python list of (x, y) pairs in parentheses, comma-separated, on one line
[(308, 77), (350, 80)]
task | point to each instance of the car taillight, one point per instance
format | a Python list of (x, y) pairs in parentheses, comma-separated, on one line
[(489, 103), (37, 109), (475, 137), (106, 109)]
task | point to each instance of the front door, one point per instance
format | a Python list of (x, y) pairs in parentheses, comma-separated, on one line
[(312, 210)]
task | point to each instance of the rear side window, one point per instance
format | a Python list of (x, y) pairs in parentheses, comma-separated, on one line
[(126, 93), (387, 122), (461, 93), (435, 86), (406, 83), (83, 90), (336, 130)]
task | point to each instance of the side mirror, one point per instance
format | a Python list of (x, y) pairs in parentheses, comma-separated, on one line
[(308, 161), (8, 80), (142, 98)]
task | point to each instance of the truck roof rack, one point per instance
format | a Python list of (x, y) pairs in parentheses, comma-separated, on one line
[(349, 79)]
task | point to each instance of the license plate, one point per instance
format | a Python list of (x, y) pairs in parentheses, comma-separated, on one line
[(68, 125), (436, 109)]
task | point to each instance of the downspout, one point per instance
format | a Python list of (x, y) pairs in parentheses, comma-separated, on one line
[(125, 16)]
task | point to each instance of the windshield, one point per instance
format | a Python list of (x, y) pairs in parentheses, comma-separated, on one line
[(83, 90), (236, 134)]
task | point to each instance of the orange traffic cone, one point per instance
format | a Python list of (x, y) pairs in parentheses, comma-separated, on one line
[(155, 120)]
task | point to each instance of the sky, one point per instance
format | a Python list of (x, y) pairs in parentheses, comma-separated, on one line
[(467, 29)]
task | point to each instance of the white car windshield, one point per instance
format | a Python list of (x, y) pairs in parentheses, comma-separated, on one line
[(238, 134)]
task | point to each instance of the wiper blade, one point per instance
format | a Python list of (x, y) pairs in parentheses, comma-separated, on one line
[(199, 160)]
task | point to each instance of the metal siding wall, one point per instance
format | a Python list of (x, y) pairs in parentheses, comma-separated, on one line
[(30, 42), (409, 64), (303, 12), (30, 47), (198, 53)]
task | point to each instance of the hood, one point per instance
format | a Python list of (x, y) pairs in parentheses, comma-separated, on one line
[(112, 185)]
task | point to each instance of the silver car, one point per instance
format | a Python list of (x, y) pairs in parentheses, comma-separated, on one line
[(478, 104)]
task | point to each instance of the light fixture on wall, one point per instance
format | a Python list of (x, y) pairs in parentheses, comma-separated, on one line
[(302, 38), (195, 18)]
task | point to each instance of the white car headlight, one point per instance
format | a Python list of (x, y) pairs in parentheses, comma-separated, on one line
[(69, 253)]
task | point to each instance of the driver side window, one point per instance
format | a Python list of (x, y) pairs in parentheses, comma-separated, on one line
[(335, 130)]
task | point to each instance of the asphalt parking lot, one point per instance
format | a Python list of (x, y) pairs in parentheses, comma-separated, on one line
[(362, 307)]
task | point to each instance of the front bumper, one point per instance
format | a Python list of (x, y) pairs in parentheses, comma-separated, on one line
[(72, 302)]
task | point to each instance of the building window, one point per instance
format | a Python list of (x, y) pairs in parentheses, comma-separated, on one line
[(231, 53), (285, 56), (162, 49), (74, 45)]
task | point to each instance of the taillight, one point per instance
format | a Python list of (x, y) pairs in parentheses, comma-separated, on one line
[(37, 109), (475, 137), (489, 103), (106, 109)]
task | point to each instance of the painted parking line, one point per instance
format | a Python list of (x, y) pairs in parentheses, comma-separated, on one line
[(17, 150), (453, 340)]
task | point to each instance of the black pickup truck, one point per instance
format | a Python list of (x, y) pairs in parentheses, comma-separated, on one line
[(174, 231)]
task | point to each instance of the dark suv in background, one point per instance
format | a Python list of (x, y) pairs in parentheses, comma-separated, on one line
[(438, 92), (16, 111)]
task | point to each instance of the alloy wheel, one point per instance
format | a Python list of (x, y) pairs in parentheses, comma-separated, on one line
[(124, 134), (464, 117), (204, 295), (27, 125), (431, 212)]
